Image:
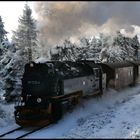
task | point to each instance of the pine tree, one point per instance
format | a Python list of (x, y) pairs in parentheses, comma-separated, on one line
[(136, 46), (24, 39), (119, 42), (104, 48), (65, 52), (4, 58), (3, 37), (26, 34), (3, 32)]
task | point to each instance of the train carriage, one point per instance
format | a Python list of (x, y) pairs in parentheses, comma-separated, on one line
[(119, 74)]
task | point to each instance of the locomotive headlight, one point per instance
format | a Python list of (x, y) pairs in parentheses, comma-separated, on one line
[(31, 65), (39, 100)]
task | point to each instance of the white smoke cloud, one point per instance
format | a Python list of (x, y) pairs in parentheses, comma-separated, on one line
[(60, 20)]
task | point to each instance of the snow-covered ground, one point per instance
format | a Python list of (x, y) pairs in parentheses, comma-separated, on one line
[(115, 115)]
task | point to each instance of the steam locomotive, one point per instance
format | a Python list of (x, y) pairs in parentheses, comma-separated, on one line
[(52, 87)]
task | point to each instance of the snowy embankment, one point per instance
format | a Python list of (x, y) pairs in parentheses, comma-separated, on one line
[(6, 115), (115, 115)]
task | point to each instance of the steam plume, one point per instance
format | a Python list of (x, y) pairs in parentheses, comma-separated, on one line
[(61, 20)]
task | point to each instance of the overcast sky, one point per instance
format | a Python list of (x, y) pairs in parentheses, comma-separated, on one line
[(73, 19)]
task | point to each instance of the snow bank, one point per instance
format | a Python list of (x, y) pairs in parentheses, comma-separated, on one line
[(115, 115), (41, 60), (97, 118), (135, 133), (6, 115), (117, 118)]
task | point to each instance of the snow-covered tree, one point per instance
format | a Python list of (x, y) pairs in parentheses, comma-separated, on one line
[(111, 54), (3, 38), (65, 52), (126, 46), (3, 32), (105, 48), (25, 36), (4, 58), (24, 40), (136, 46), (129, 49)]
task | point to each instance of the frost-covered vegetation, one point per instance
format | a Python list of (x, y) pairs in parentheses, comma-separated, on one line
[(105, 48), (22, 49)]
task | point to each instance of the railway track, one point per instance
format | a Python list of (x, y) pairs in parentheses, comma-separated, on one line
[(24, 132), (11, 131)]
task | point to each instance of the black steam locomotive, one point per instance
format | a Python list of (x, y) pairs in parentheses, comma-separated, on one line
[(48, 88)]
